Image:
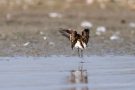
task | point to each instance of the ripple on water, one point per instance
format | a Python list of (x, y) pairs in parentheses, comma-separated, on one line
[(67, 73)]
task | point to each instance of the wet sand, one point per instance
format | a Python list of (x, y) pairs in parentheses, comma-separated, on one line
[(36, 32)]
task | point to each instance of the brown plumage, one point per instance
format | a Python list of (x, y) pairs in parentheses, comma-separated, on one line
[(79, 41)]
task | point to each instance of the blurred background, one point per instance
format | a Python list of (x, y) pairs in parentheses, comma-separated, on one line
[(31, 27), (64, 4), (29, 31)]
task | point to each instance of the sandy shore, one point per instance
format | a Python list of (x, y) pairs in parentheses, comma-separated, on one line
[(36, 32)]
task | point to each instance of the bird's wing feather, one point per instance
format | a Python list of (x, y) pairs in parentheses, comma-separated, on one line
[(65, 32), (85, 35)]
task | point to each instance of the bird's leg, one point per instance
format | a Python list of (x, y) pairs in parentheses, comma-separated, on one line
[(81, 56), (81, 53), (78, 52)]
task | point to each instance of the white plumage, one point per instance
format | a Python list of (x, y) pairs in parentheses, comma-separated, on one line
[(78, 45)]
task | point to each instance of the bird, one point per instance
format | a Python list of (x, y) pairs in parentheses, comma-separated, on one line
[(79, 41)]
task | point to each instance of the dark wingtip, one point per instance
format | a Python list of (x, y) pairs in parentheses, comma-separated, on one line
[(64, 32), (61, 29), (86, 29)]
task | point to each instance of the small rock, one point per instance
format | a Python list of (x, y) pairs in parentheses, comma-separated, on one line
[(44, 37), (132, 25), (41, 33), (55, 15), (51, 43), (100, 30), (26, 44), (115, 36), (86, 24), (98, 33)]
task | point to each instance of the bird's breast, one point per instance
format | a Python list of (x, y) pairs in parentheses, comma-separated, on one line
[(80, 45)]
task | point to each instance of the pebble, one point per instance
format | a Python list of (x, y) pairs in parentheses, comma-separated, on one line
[(26, 44), (41, 33), (100, 30), (55, 15), (115, 36), (132, 24), (51, 43), (44, 37), (86, 24)]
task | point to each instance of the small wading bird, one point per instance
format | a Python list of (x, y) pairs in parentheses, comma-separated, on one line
[(78, 41)]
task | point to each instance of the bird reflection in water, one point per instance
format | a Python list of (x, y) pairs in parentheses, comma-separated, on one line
[(78, 77)]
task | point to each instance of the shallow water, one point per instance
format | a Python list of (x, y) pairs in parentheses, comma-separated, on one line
[(67, 73)]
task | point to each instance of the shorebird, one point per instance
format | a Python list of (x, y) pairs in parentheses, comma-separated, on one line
[(78, 41)]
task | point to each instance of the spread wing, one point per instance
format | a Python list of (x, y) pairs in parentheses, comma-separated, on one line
[(71, 35), (85, 35), (65, 32)]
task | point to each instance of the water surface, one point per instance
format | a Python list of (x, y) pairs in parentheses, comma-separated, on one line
[(67, 73)]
